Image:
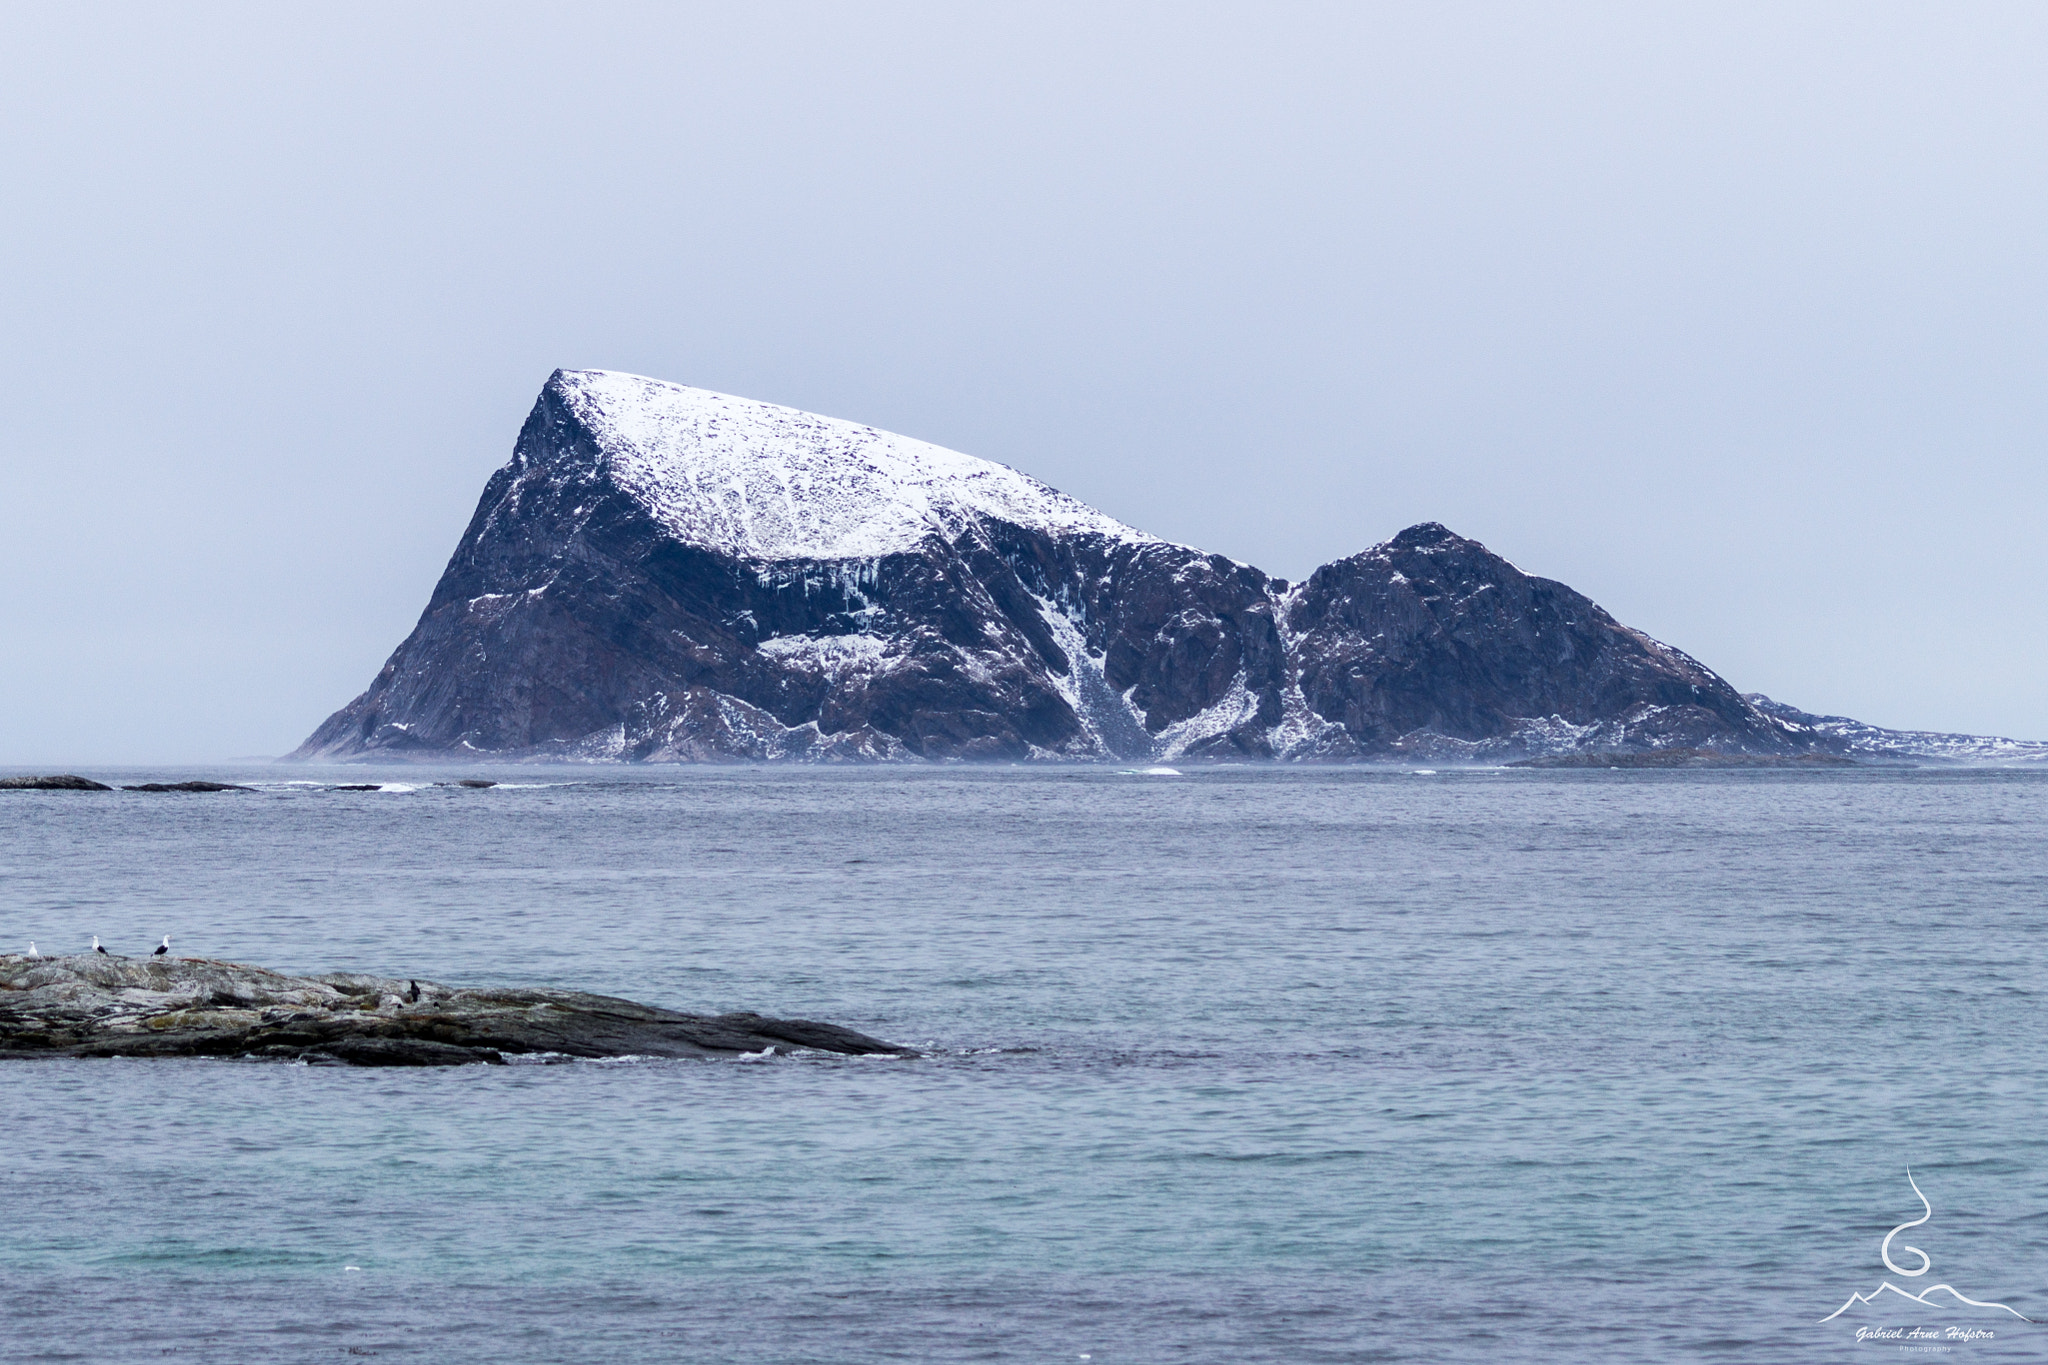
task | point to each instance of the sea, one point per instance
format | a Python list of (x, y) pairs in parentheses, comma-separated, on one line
[(1216, 1064)]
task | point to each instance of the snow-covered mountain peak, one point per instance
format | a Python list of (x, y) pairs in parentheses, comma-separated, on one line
[(570, 624), (759, 481)]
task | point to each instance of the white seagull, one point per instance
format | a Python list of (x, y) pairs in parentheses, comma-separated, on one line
[(163, 947), (32, 949), (96, 945)]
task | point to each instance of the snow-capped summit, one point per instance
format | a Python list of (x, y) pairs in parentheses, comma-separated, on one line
[(666, 573), (758, 481)]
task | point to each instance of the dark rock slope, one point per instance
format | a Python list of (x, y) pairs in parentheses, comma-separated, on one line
[(1433, 646), (663, 573), (88, 1005)]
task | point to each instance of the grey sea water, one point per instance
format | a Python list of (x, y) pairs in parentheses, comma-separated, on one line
[(1236, 1065)]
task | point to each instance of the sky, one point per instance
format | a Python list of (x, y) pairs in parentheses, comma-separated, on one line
[(1731, 316)]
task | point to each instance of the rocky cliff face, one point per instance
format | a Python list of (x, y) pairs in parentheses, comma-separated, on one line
[(1431, 645), (665, 574)]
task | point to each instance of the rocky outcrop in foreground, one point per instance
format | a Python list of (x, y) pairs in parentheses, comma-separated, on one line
[(89, 1005)]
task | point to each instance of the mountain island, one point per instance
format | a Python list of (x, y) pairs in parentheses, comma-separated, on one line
[(666, 574)]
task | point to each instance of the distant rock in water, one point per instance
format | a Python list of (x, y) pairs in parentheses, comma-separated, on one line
[(62, 782), (187, 787), (663, 573), (88, 1005)]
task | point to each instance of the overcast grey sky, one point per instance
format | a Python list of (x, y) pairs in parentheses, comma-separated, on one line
[(1731, 316)]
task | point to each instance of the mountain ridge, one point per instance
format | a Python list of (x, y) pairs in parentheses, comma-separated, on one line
[(663, 573)]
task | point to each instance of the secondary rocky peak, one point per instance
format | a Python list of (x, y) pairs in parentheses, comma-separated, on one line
[(1426, 535), (1434, 644)]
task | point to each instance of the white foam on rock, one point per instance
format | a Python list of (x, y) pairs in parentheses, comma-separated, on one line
[(763, 482)]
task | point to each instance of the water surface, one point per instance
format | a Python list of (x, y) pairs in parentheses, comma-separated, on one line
[(1239, 1064)]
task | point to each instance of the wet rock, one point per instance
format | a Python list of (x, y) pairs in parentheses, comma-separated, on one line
[(86, 1005), (186, 787), (61, 782), (405, 1052)]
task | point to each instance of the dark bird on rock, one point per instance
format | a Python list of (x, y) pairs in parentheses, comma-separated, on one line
[(163, 947), (96, 945), (415, 990)]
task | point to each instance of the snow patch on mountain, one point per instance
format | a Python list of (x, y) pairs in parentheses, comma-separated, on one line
[(763, 482), (831, 656), (705, 725), (1237, 706), (1114, 727)]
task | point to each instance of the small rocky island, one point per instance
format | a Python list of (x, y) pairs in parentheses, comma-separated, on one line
[(93, 1005)]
